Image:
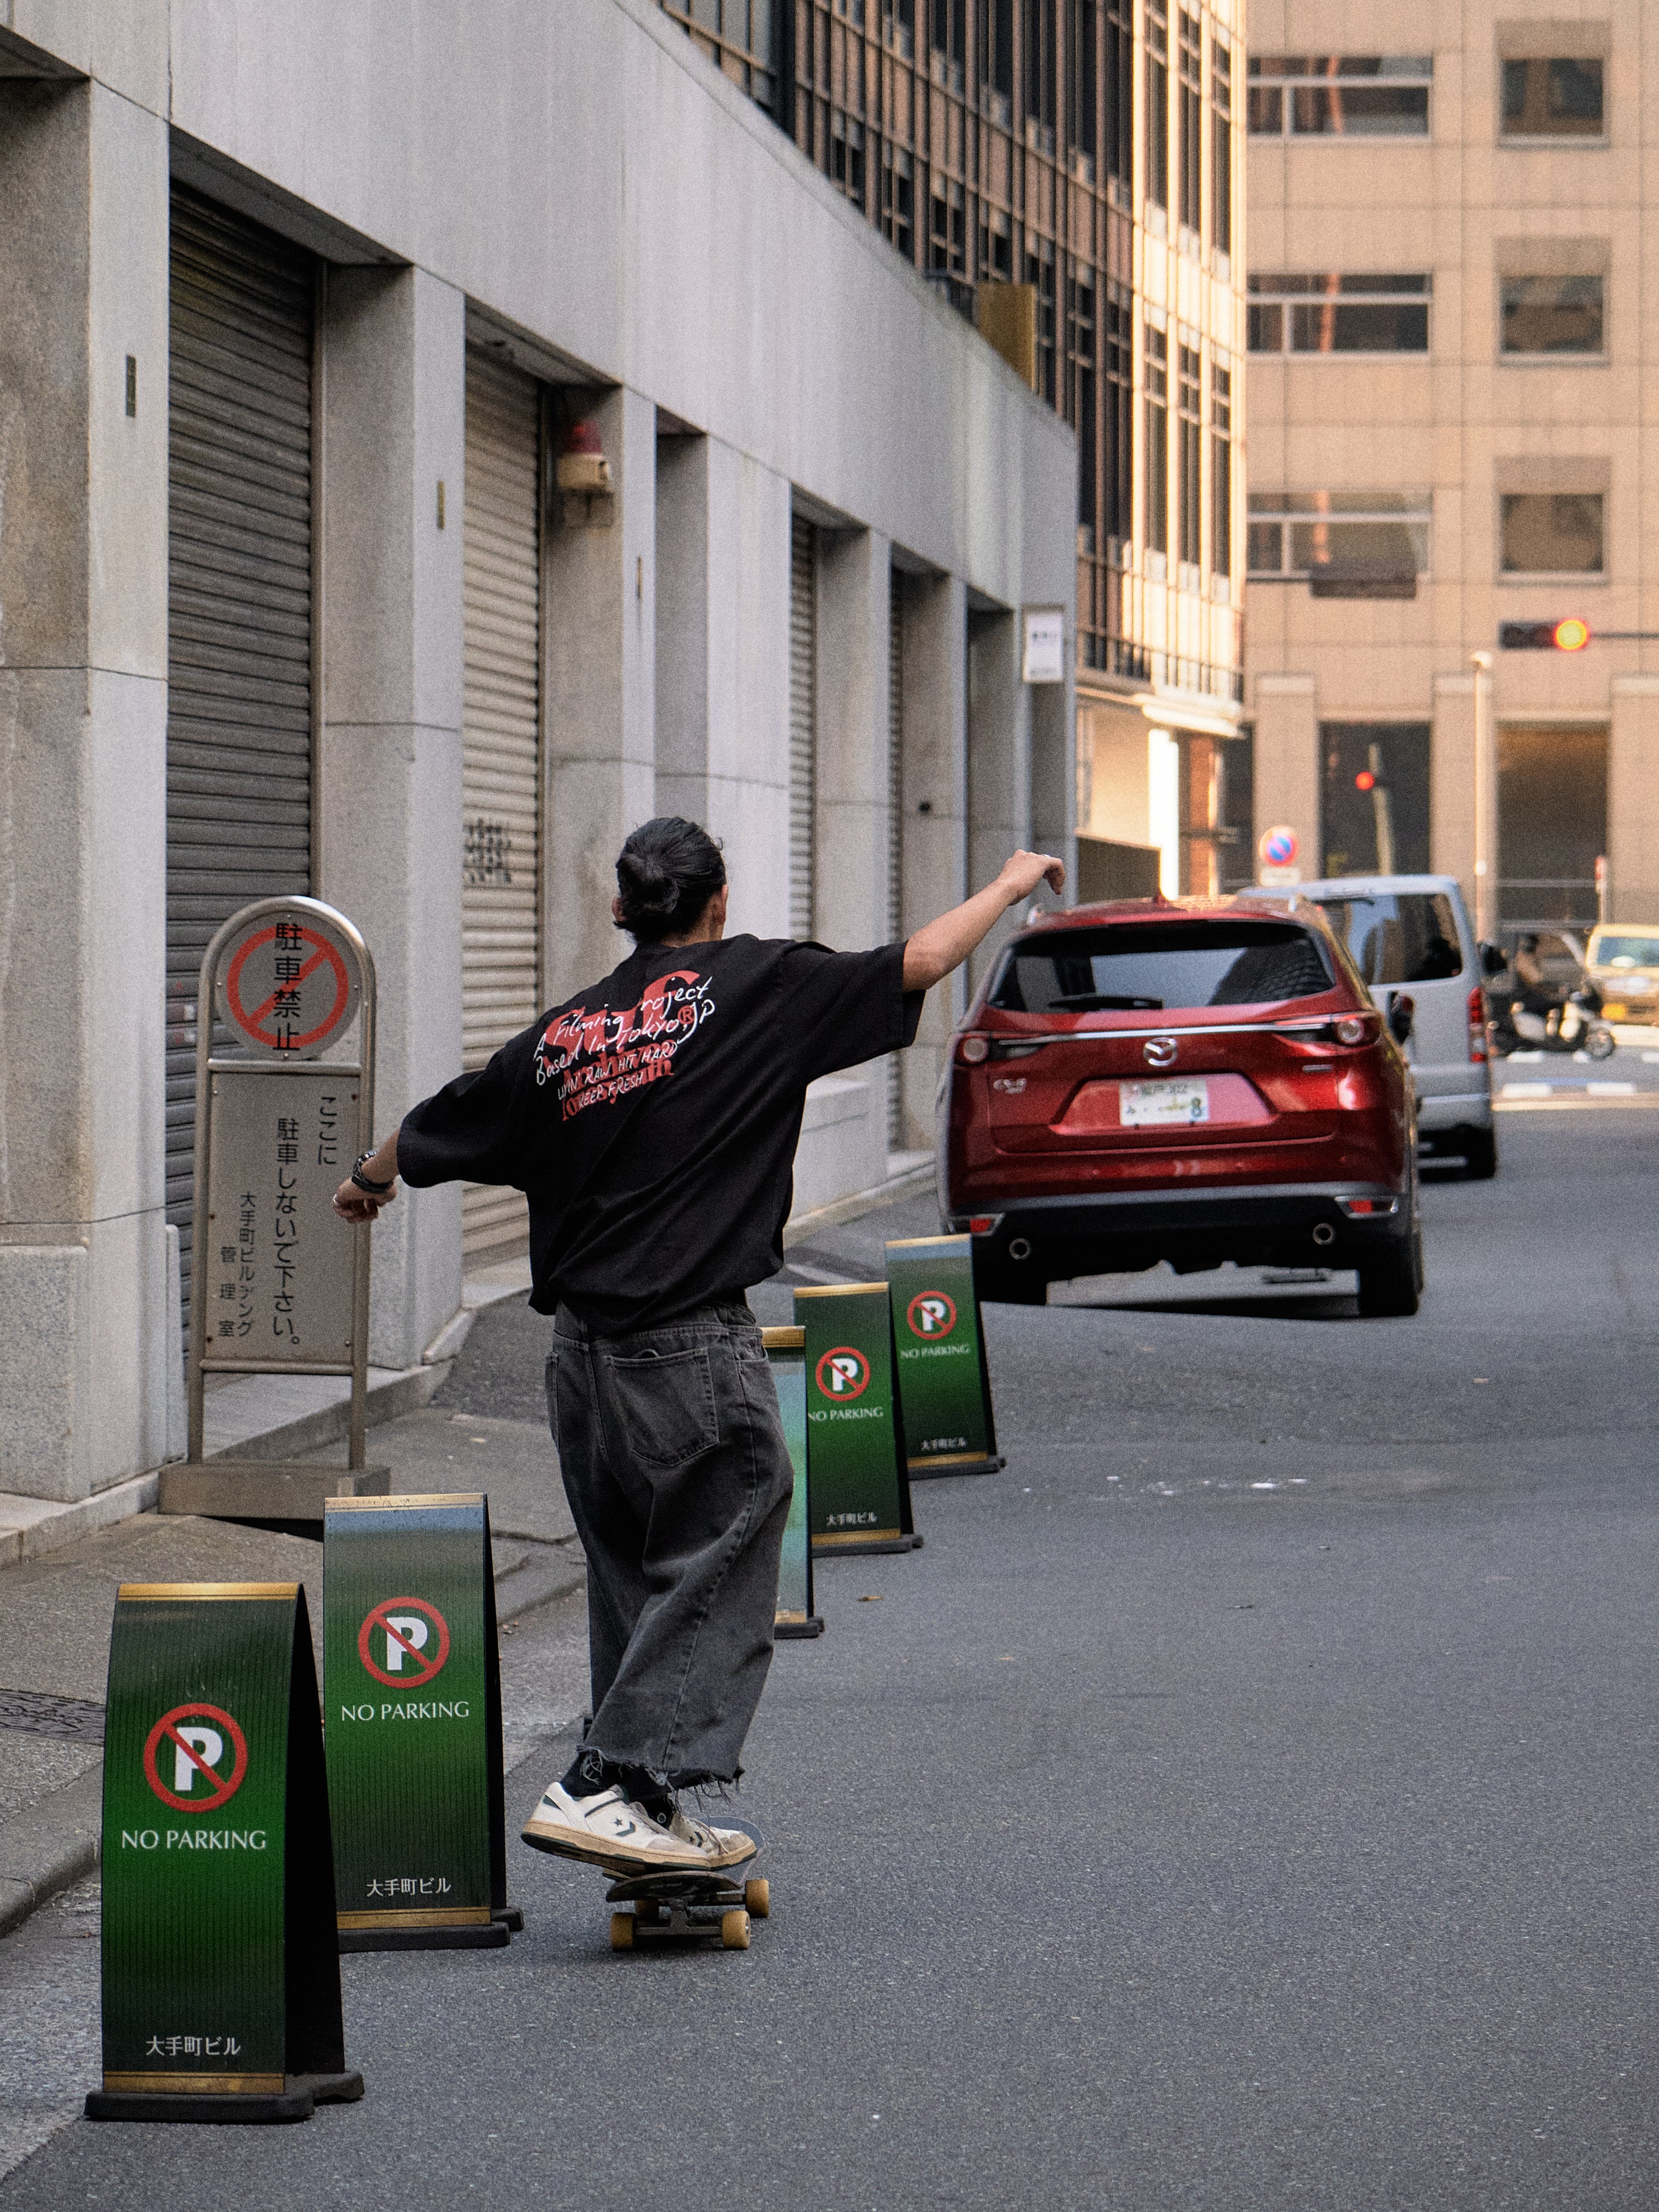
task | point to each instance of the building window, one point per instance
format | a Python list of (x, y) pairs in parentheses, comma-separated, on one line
[(1156, 511), (1118, 334), (1079, 407), (947, 240), (1191, 110), (1039, 36), (1552, 99), (846, 156), (1551, 533), (1221, 148), (1040, 275), (1221, 471), (1552, 314), (740, 37), (1190, 418), (1364, 537), (1342, 95), (899, 200), (1333, 314), (1120, 94), (1083, 92), (1157, 107)]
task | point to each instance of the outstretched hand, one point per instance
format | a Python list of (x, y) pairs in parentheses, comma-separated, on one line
[(1023, 872)]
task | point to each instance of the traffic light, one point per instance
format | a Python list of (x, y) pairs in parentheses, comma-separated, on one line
[(1366, 780), (1571, 634)]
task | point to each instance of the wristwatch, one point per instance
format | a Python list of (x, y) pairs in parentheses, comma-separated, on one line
[(363, 1183)]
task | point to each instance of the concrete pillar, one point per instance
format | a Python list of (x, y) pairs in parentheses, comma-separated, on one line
[(1287, 764), (851, 860), (599, 715), (389, 802), (84, 1316), (935, 802), (999, 763), (1633, 800), (722, 675), (1451, 786)]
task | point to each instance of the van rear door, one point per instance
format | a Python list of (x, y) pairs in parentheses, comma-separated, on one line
[(1413, 942)]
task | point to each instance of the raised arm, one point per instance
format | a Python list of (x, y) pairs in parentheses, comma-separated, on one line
[(945, 943)]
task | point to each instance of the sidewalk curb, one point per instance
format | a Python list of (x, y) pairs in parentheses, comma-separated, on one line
[(911, 1184), (52, 1845), (58, 1841)]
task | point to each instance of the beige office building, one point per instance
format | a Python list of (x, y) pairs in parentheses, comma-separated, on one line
[(1451, 321)]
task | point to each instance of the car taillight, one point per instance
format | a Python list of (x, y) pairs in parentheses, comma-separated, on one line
[(1349, 1029), (984, 1224), (973, 1049), (1363, 1209), (1477, 1023)]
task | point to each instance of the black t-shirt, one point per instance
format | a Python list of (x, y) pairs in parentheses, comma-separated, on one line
[(652, 1120)]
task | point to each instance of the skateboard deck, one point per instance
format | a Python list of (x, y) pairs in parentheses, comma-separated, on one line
[(685, 1907)]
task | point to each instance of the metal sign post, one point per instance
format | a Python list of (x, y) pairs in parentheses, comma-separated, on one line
[(279, 1283)]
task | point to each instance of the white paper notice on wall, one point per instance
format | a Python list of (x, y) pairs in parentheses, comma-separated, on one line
[(1045, 645)]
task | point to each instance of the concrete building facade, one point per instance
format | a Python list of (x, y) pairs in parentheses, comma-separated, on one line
[(314, 326), (1452, 344)]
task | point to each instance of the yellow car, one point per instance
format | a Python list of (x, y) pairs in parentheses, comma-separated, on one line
[(1623, 960)]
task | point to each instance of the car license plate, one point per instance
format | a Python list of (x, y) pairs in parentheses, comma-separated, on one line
[(1160, 1105)]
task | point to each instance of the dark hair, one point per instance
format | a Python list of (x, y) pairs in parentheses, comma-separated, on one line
[(666, 873)]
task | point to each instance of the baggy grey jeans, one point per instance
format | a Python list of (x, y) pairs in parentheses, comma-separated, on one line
[(679, 1480)]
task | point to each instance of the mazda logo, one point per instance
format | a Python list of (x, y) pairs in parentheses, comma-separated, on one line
[(1159, 1052)]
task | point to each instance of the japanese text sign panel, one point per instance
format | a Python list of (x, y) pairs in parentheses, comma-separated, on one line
[(860, 1495), (944, 1396), (412, 1729), (785, 1356), (215, 1844), (275, 1259)]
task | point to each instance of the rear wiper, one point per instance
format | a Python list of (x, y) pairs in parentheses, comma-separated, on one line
[(1108, 1002)]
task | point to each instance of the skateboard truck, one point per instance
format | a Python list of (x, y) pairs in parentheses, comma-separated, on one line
[(678, 1906)]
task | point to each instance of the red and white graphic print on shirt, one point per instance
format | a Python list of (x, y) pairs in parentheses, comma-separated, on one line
[(597, 1058)]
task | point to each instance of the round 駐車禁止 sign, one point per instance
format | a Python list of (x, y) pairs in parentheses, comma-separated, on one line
[(288, 982)]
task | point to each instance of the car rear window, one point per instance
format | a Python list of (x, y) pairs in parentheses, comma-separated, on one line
[(1399, 937), (1154, 967), (1625, 952)]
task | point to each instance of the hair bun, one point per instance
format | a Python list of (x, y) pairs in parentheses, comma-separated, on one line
[(666, 873)]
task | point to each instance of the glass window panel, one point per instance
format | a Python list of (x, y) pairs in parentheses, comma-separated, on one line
[(1551, 533), (1552, 99), (1343, 327), (1154, 969), (1266, 553), (1552, 314), (1361, 111), (1393, 548)]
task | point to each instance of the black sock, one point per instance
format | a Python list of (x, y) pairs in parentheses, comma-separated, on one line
[(591, 1771)]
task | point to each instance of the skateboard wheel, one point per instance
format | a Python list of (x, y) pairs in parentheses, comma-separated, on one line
[(734, 1930), (622, 1931), (757, 1896)]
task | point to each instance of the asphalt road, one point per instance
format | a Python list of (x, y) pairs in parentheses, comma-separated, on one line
[(1244, 1801)]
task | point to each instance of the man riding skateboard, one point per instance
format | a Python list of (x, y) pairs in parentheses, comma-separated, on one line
[(652, 1121)]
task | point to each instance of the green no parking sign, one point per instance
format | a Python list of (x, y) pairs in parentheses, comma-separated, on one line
[(944, 1386)]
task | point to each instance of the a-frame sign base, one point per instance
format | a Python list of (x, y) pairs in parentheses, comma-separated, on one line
[(221, 1985)]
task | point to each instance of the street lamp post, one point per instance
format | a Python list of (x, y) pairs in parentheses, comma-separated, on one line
[(1486, 801)]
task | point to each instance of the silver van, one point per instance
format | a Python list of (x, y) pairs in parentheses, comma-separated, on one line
[(1410, 935)]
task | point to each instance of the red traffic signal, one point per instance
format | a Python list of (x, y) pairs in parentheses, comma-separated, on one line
[(1364, 781), (1570, 635)]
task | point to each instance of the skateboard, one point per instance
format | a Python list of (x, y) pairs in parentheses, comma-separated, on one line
[(680, 1906)]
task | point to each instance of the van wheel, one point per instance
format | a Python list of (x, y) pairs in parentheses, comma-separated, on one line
[(1479, 1154), (1391, 1284)]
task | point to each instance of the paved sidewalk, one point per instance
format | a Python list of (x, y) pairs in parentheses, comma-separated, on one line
[(55, 1610)]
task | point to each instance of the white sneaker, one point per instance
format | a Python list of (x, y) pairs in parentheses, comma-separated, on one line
[(609, 1830), (724, 1847)]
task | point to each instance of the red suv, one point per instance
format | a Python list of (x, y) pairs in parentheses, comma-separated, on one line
[(1193, 1081)]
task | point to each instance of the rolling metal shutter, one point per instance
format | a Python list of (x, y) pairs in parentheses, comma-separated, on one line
[(239, 745), (803, 722), (501, 752), (895, 835)]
